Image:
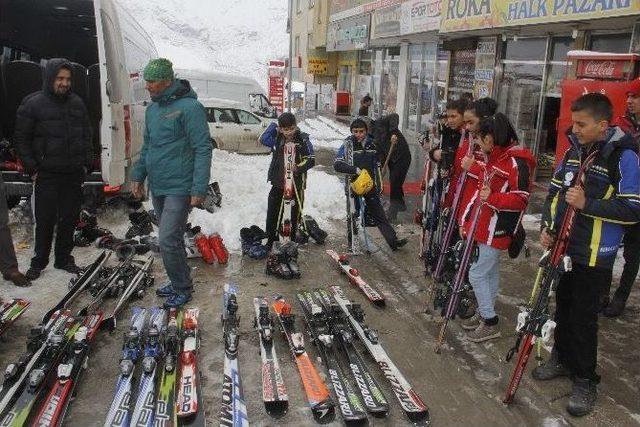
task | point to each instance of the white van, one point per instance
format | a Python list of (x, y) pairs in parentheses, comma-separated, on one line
[(108, 49), (234, 128), (244, 90)]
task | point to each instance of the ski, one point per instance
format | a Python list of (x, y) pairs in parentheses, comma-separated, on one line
[(289, 192), (10, 311), (409, 400), (316, 391), (354, 277), (77, 285), (165, 410), (188, 390), (234, 410), (41, 337), (145, 402), (110, 282), (37, 377), (349, 402), (119, 414), (370, 391), (352, 219), (274, 393), (536, 321), (54, 407), (135, 286)]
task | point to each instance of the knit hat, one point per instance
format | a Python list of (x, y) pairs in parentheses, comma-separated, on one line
[(158, 69)]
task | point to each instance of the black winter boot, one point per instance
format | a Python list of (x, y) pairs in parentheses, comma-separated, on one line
[(583, 396), (551, 369), (616, 307)]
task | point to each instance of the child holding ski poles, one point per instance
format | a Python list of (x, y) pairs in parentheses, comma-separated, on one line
[(366, 158), (505, 196), (275, 137), (609, 200)]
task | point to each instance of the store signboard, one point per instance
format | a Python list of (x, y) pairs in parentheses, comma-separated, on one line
[(485, 67), (463, 64), (359, 8), (317, 66), (419, 16), (462, 15), (386, 22), (276, 84), (349, 34)]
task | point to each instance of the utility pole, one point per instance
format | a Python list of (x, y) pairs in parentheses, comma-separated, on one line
[(290, 70)]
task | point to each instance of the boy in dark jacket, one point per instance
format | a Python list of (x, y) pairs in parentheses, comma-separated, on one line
[(366, 156), (275, 137), (610, 199)]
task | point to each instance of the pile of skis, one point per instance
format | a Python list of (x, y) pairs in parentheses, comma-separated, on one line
[(38, 387), (162, 346), (10, 310)]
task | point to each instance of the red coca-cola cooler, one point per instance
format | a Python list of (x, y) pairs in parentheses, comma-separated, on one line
[(607, 73), (342, 103)]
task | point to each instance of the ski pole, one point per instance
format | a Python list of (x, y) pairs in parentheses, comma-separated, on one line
[(394, 141)]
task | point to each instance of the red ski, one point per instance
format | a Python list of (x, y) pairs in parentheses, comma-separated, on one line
[(54, 407), (536, 321), (354, 277), (187, 401), (289, 193)]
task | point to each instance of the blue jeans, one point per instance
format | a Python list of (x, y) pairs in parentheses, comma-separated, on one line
[(173, 212), (484, 276)]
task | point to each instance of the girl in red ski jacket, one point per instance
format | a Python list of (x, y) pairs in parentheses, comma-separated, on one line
[(502, 196)]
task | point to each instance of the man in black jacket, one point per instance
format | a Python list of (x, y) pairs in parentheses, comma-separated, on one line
[(53, 137)]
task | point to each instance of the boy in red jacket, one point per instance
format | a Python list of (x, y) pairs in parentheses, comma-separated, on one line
[(503, 193)]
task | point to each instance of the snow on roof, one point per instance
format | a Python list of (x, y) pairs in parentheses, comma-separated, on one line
[(214, 75), (219, 102)]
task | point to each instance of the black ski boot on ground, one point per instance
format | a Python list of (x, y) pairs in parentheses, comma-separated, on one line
[(314, 230), (290, 249), (277, 264), (141, 224), (583, 396), (551, 369)]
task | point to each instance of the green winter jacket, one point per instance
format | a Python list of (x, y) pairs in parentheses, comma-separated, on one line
[(176, 154)]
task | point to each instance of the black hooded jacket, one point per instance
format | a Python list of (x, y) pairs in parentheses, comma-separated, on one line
[(52, 132), (385, 128)]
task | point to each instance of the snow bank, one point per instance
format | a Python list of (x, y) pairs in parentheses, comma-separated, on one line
[(244, 186), (324, 132)]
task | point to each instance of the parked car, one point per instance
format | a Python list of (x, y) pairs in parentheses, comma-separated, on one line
[(233, 128)]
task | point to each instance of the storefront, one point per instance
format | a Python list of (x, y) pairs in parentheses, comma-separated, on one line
[(525, 71)]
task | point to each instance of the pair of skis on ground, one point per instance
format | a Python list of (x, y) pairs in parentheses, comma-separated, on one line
[(168, 392), (56, 352)]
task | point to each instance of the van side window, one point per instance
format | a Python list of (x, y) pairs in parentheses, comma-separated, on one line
[(247, 118), (223, 115), (210, 116)]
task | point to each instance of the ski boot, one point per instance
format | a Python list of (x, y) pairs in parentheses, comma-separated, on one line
[(213, 198), (202, 243), (277, 263), (290, 250), (217, 246), (141, 224), (301, 237), (314, 230)]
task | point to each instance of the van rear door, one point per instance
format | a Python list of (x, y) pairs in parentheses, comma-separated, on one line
[(112, 86)]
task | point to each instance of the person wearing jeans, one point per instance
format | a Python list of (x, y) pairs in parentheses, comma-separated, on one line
[(484, 274), (176, 160), (8, 260)]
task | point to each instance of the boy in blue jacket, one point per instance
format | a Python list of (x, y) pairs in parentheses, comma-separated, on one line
[(610, 199), (275, 137)]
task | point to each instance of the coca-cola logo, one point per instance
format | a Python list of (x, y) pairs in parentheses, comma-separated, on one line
[(600, 68)]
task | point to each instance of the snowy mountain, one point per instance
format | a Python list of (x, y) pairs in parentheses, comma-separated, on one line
[(229, 36)]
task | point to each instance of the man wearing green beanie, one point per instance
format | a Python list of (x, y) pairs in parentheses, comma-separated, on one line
[(176, 161)]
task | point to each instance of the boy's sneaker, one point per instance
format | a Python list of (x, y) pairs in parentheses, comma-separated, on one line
[(484, 333), (33, 273), (472, 323), (166, 290), (69, 267), (583, 396), (551, 369), (177, 300)]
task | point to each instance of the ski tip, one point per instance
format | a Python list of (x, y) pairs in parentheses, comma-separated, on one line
[(324, 412), (380, 303), (420, 418)]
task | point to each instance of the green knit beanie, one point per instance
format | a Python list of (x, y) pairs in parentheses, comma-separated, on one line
[(158, 69)]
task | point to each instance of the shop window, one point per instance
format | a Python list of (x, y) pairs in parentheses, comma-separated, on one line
[(611, 43), (421, 72), (559, 48), (525, 49), (519, 98), (391, 69), (344, 78)]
